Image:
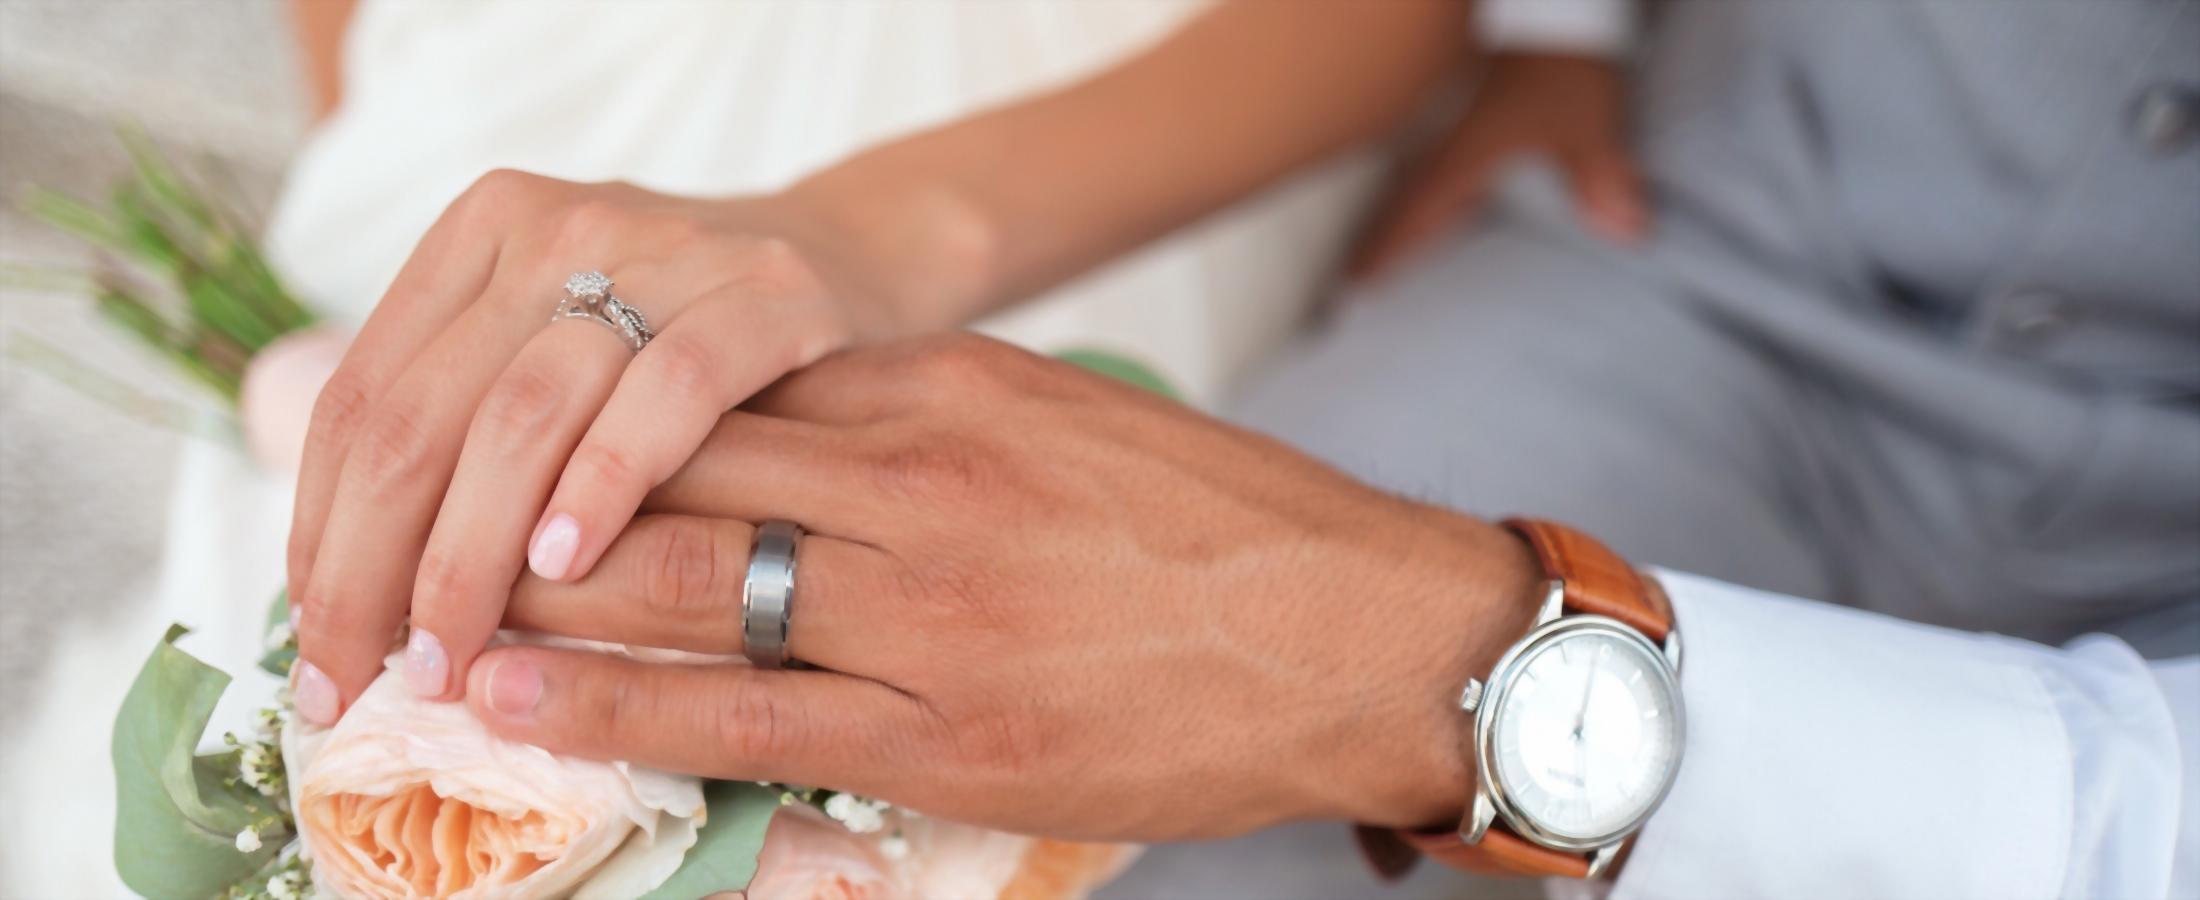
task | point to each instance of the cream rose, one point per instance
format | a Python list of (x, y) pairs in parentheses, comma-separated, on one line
[(410, 798)]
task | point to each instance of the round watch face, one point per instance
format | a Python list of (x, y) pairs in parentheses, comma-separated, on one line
[(1586, 736)]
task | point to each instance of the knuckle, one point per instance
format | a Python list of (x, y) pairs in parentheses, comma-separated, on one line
[(967, 362), (328, 616), (393, 446), (931, 468), (587, 223), (609, 709), (1006, 741), (343, 401), (679, 231), (503, 182), (777, 265), (972, 601), (606, 465), (681, 578), (523, 401), (496, 194), (441, 579), (751, 722)]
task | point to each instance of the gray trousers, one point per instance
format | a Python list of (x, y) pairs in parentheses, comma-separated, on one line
[(1919, 331)]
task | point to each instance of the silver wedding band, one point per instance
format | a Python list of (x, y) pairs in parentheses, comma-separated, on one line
[(767, 594), (588, 296)]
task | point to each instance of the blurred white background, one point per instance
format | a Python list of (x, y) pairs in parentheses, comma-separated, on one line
[(83, 488)]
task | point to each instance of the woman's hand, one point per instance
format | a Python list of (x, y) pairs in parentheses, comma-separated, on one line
[(1567, 107), (469, 432), (1036, 600)]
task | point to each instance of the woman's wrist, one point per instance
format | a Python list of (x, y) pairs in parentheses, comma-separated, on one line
[(919, 255)]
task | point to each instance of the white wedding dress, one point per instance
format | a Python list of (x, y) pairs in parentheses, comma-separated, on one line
[(700, 97)]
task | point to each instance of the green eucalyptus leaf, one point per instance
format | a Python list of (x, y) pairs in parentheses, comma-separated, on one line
[(1121, 368), (177, 814), (724, 855)]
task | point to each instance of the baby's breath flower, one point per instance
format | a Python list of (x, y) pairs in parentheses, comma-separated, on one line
[(894, 847), (279, 636), (269, 720), (858, 814), (290, 885), (248, 841)]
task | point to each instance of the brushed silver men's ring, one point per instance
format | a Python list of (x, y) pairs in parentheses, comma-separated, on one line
[(588, 296), (767, 593)]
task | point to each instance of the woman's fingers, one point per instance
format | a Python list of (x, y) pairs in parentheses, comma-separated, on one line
[(1429, 205), (1608, 192), (394, 476), (720, 350), (675, 582), (721, 721), (522, 433), (446, 272)]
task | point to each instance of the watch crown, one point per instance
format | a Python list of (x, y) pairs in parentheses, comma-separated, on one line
[(1472, 696)]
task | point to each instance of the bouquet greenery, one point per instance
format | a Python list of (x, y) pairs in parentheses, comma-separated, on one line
[(175, 269)]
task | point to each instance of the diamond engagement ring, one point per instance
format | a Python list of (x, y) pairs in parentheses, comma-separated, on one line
[(588, 296)]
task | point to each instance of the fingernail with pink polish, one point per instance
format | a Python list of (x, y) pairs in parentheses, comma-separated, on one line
[(427, 667), (514, 687), (552, 552), (314, 695)]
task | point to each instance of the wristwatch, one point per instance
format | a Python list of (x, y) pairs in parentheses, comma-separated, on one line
[(1578, 729)]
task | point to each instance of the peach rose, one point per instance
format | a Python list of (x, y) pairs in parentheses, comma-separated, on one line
[(410, 798), (807, 856)]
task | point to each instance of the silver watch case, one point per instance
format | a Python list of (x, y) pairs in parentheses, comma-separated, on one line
[(1480, 699)]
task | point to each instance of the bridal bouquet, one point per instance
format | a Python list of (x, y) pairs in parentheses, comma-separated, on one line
[(410, 798)]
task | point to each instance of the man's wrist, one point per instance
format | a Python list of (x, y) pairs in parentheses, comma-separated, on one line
[(1472, 603)]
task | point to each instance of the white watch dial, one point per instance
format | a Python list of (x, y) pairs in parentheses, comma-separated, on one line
[(1587, 734)]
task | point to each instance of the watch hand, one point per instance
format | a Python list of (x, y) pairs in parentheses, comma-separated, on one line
[(1588, 687)]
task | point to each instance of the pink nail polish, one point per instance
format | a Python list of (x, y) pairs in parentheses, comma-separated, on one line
[(314, 695), (514, 687), (427, 667), (552, 552)]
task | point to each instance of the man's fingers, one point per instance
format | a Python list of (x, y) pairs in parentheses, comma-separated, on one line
[(520, 436), (675, 582), (757, 468), (1608, 193), (714, 355), (720, 721)]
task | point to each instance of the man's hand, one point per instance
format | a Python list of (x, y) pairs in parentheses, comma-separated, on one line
[(1037, 600), (1569, 108)]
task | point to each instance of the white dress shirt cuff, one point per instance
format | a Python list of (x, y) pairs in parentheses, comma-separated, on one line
[(1599, 27), (1830, 749)]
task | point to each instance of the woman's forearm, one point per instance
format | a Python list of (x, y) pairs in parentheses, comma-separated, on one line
[(988, 210), (319, 28)]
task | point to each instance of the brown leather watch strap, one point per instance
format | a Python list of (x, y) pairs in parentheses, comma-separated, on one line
[(1597, 581), (1500, 853)]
